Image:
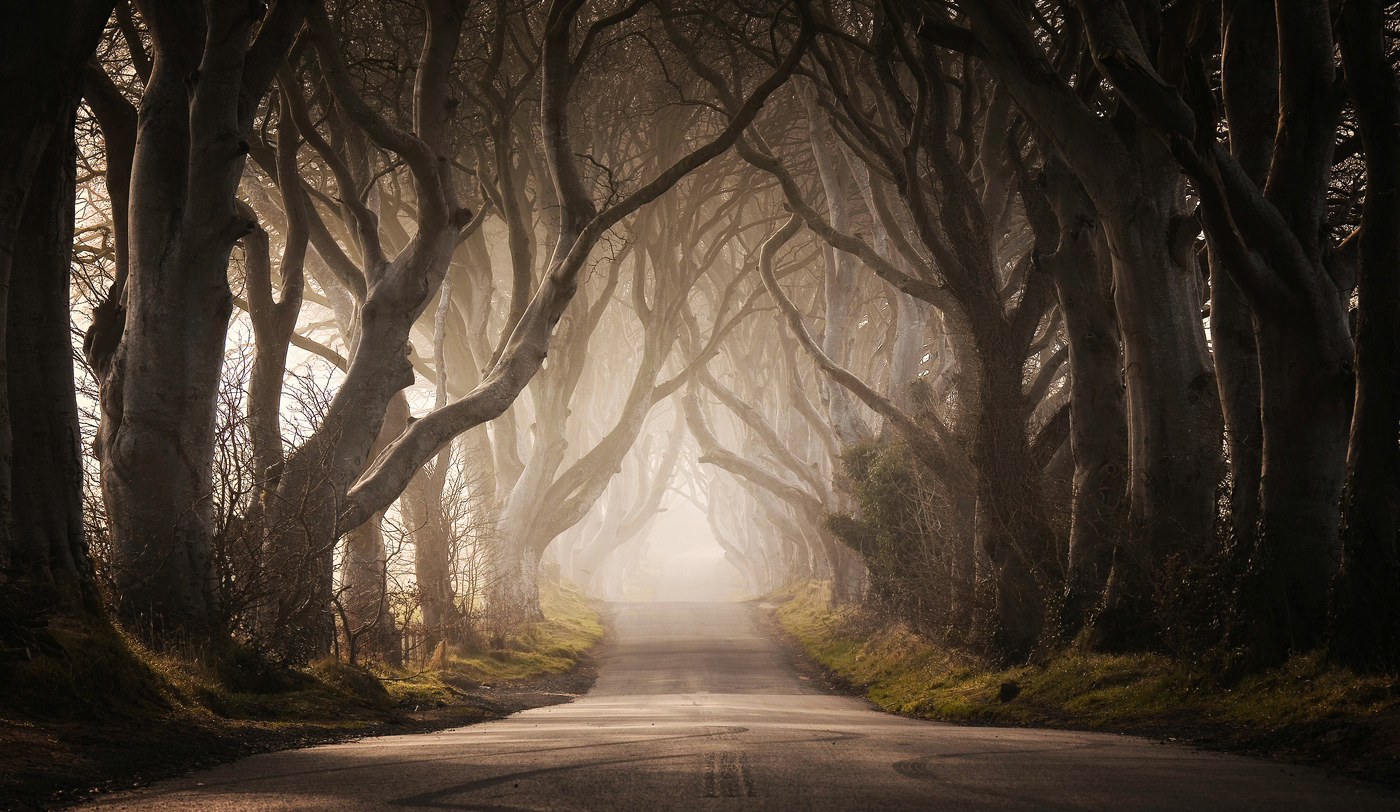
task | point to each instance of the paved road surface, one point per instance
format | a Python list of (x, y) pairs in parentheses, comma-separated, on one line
[(693, 709)]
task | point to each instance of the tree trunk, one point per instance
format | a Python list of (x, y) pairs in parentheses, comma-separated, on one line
[(1098, 423), (589, 559), (365, 576), (514, 585), (1173, 410), (160, 392), (1273, 243), (840, 283), (366, 414), (424, 514), (910, 315), (907, 353), (1012, 531), (514, 555), (41, 61), (49, 546), (1237, 371), (435, 550), (1306, 411), (156, 442), (1302, 329), (1366, 630), (365, 598), (1249, 87)]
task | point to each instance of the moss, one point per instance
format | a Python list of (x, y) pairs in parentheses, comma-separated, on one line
[(418, 690), (903, 672)]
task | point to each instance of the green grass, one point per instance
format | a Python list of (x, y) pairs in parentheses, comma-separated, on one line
[(111, 712), (105, 675), (553, 646), (906, 673), (109, 675)]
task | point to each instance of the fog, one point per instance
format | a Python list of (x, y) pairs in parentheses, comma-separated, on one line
[(688, 563), (709, 300)]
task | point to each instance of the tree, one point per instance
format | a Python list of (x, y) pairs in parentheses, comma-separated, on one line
[(1270, 239), (1134, 183), (1364, 632), (160, 382), (41, 61)]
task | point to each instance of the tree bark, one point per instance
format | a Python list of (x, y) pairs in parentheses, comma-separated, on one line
[(1173, 408), (159, 394), (1236, 357), (41, 62), (1366, 618), (427, 523), (156, 441), (840, 279), (1098, 421), (1249, 86), (49, 544), (1012, 529), (1173, 411)]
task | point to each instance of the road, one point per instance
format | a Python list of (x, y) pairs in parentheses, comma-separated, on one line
[(694, 709)]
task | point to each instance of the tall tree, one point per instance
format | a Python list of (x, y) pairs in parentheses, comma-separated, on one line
[(1366, 629), (1271, 240), (42, 54), (1134, 183), (208, 78)]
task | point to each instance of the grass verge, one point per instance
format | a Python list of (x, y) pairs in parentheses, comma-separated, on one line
[(1303, 712), (112, 714), (571, 627)]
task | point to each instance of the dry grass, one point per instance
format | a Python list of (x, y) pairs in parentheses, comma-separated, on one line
[(906, 673), (109, 675), (570, 628)]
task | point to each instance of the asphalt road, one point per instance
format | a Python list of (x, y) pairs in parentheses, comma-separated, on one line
[(694, 709)]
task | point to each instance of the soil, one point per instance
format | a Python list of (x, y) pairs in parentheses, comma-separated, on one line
[(47, 765)]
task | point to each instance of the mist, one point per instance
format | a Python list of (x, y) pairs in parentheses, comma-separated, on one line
[(397, 351), (689, 564)]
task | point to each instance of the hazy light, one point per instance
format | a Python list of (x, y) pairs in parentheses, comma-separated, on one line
[(688, 562)]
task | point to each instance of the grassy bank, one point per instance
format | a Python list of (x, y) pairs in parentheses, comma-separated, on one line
[(571, 627), (111, 713), (1305, 711)]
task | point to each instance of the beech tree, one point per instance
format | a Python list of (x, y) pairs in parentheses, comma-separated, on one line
[(1364, 630), (320, 489), (42, 542), (1047, 324), (660, 284)]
